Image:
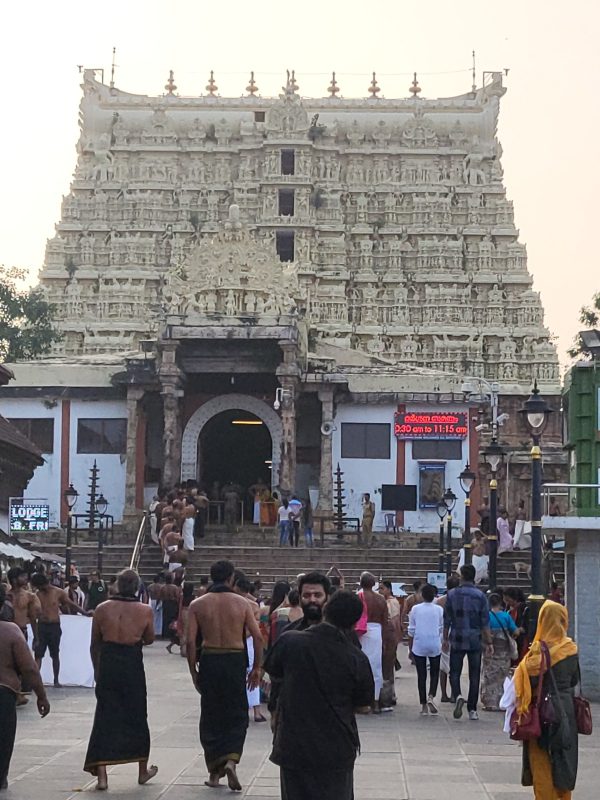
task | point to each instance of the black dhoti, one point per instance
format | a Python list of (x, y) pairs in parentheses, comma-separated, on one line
[(120, 734), (8, 730), (223, 706), (309, 785)]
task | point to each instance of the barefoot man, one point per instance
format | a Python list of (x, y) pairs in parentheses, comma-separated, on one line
[(52, 601), (216, 652), (26, 608), (16, 665), (120, 734)]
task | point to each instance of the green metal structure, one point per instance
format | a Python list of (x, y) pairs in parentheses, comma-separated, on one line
[(582, 416)]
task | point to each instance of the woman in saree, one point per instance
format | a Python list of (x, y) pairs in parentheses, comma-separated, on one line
[(496, 666), (550, 762)]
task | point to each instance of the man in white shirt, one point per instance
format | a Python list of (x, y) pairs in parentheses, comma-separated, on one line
[(425, 630)]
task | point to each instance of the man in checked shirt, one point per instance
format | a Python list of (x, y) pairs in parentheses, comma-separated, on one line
[(466, 631)]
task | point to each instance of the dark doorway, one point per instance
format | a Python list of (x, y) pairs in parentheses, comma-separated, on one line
[(235, 446)]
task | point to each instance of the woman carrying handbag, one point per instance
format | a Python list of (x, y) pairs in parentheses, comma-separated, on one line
[(549, 761)]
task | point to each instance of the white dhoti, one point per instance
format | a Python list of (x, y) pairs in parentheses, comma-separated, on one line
[(256, 513), (481, 564), (187, 532), (522, 539), (156, 606), (252, 694), (371, 643), (153, 530)]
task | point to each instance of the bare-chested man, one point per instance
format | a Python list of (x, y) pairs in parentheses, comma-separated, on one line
[(120, 734), (16, 666), (372, 641), (221, 618), (243, 587), (169, 539), (52, 601), (26, 609)]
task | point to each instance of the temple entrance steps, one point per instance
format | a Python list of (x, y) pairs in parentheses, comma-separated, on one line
[(406, 562)]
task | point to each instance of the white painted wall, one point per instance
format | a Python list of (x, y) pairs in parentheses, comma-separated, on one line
[(364, 475), (112, 467), (46, 479), (367, 475)]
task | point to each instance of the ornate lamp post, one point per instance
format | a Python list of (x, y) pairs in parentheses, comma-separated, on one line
[(467, 480), (493, 455), (449, 499), (535, 413), (101, 506), (441, 512), (70, 496)]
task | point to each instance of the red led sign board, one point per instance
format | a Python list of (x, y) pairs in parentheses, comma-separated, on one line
[(430, 425)]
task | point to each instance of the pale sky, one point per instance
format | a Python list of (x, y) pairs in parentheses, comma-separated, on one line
[(549, 119)]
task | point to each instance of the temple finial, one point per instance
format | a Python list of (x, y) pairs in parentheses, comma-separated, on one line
[(374, 87), (170, 85), (415, 89), (333, 87), (112, 69), (252, 88), (211, 87)]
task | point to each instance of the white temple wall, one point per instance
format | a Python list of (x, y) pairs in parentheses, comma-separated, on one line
[(111, 477), (368, 474), (45, 483)]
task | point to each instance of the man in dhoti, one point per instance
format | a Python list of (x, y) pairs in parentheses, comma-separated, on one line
[(120, 734), (368, 515), (325, 680), (371, 642), (217, 625)]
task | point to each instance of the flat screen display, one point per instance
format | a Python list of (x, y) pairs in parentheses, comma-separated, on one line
[(398, 498)]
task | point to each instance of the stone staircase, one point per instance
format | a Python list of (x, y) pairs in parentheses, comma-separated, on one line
[(403, 559)]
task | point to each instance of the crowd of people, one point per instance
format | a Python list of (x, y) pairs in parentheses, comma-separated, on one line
[(313, 652)]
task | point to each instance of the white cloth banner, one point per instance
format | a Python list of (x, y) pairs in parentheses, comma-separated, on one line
[(371, 643), (76, 667), (254, 694)]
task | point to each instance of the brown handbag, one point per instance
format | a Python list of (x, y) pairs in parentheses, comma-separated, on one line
[(528, 726), (583, 712)]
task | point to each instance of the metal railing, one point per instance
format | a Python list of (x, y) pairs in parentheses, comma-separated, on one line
[(139, 544), (565, 495)]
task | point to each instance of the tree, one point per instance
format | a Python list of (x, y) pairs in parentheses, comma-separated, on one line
[(589, 316), (26, 323)]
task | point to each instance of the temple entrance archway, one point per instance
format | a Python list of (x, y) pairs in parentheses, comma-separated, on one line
[(211, 438), (235, 447)]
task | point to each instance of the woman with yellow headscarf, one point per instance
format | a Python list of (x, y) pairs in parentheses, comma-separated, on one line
[(550, 762)]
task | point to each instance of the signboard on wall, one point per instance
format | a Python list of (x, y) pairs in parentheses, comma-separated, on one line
[(431, 484), (430, 425), (28, 516)]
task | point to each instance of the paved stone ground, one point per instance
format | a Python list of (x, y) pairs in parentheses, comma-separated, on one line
[(403, 755)]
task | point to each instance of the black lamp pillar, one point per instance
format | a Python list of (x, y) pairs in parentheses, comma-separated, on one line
[(101, 506), (493, 455), (70, 496), (441, 512), (535, 413), (467, 480), (449, 499)]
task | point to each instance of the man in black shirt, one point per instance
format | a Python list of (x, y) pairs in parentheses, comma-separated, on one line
[(97, 592), (325, 679)]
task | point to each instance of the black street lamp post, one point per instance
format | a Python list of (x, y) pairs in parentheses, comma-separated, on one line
[(535, 413), (449, 499), (441, 512), (101, 506), (467, 480), (70, 496), (493, 455)]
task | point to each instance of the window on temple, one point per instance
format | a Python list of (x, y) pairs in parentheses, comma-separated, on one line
[(284, 242), (39, 431), (437, 449), (102, 436), (365, 440), (259, 116), (286, 202), (288, 162)]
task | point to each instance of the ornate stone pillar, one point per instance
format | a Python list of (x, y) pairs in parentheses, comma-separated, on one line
[(289, 374), (134, 395), (325, 505), (171, 380)]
